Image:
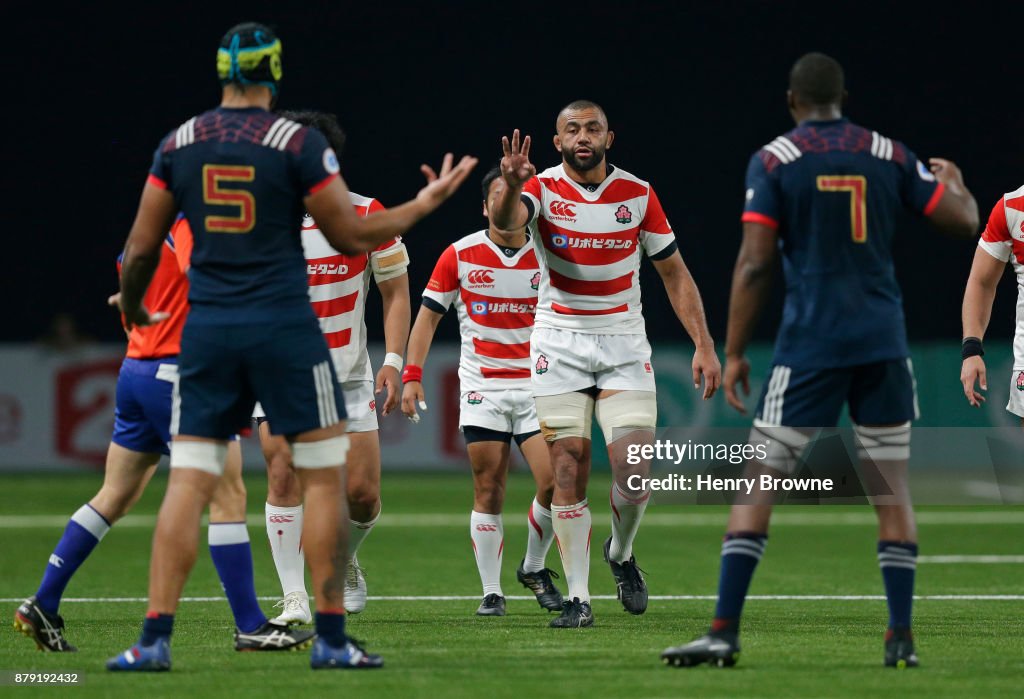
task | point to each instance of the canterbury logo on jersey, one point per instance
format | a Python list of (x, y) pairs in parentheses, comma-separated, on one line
[(562, 211), (479, 308), (564, 241), (332, 268), (480, 277)]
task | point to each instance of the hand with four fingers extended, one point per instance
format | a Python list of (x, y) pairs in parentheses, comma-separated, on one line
[(441, 186), (516, 167)]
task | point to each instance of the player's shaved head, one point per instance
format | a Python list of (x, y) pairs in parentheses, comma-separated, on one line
[(817, 80), (579, 106)]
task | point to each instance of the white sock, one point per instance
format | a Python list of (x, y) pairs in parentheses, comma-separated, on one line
[(572, 531), (357, 533), (488, 536), (627, 510), (539, 534), (284, 529)]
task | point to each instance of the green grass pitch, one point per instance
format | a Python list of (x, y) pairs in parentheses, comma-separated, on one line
[(438, 648)]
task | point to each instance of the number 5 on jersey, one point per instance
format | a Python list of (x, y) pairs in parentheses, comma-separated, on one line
[(857, 186), (215, 194)]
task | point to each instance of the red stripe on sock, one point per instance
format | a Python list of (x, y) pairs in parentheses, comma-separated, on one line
[(611, 501), (333, 610), (533, 522)]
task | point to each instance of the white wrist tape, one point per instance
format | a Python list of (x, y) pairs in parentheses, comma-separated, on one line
[(394, 360)]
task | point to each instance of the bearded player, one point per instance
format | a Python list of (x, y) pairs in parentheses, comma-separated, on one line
[(142, 424), (491, 277), (826, 197), (338, 286), (589, 351), (1001, 242)]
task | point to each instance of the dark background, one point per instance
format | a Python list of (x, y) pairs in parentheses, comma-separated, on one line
[(691, 89)]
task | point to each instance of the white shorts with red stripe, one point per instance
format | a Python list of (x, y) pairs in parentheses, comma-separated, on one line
[(502, 410), (1016, 404), (564, 361)]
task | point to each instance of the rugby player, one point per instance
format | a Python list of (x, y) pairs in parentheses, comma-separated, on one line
[(491, 277), (1001, 242), (243, 176), (589, 351), (826, 196), (142, 423)]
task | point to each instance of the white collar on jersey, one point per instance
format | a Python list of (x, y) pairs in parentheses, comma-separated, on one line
[(505, 259), (613, 174)]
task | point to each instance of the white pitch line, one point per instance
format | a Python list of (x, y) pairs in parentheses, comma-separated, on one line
[(663, 598), (816, 518), (970, 559)]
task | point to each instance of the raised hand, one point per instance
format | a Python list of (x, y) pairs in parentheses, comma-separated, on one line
[(441, 186), (945, 171), (516, 167)]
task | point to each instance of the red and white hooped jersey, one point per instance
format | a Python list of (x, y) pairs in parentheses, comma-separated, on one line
[(588, 245), (337, 289), (1004, 240), (496, 297)]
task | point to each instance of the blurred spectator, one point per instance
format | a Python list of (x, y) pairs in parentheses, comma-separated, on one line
[(64, 334)]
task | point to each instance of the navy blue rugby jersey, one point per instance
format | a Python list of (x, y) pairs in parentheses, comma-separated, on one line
[(239, 176), (833, 191)]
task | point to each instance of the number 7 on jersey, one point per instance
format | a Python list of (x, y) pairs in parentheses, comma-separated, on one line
[(857, 187)]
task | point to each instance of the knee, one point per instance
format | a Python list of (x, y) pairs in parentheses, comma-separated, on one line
[(489, 492), (282, 483), (114, 502), (363, 494)]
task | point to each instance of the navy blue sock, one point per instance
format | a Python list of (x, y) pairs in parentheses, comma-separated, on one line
[(741, 552), (155, 627), (84, 530), (330, 626), (898, 561), (232, 557)]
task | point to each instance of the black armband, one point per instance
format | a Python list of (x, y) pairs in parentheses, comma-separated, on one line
[(971, 348)]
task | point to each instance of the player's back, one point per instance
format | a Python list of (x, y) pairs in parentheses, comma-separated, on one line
[(834, 191), (239, 176)]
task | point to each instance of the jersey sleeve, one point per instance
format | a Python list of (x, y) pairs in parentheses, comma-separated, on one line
[(919, 189), (996, 240), (763, 201), (655, 232), (443, 286), (182, 241), (160, 171), (531, 196), (317, 162)]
